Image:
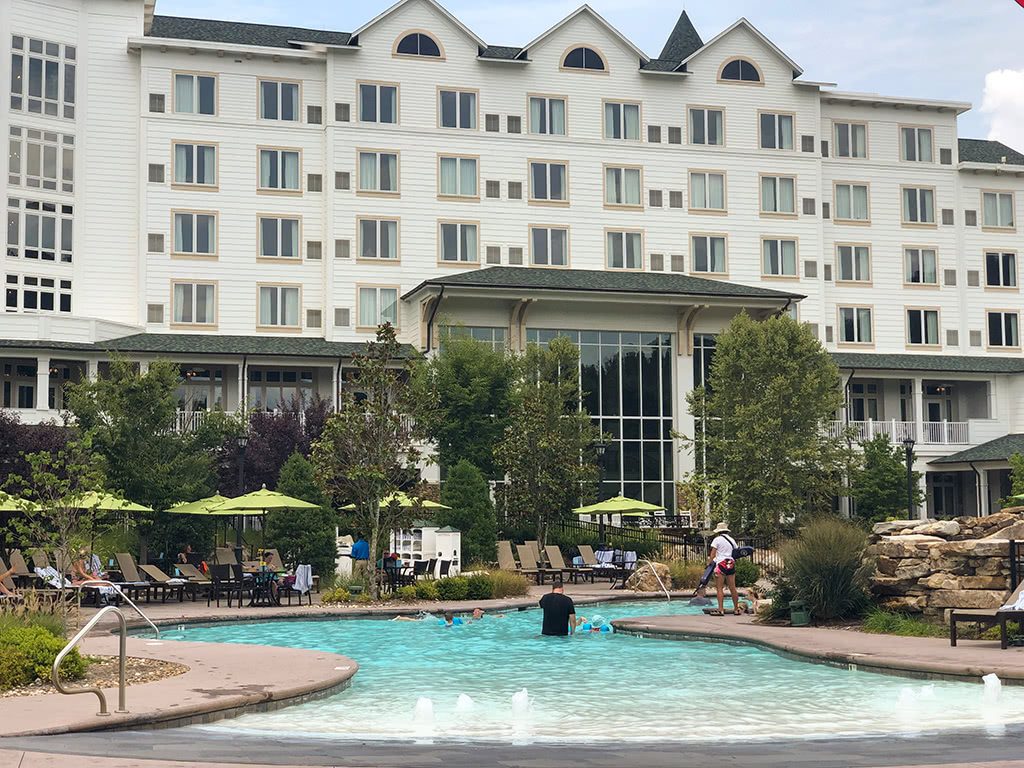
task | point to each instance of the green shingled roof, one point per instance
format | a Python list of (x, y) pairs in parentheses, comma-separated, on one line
[(941, 363), (77, 346), (682, 41), (242, 33), (500, 52), (985, 151), (1000, 449), (523, 278)]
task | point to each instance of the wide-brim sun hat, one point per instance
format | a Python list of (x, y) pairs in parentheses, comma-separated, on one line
[(722, 527)]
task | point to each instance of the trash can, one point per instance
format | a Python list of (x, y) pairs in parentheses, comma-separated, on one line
[(799, 616)]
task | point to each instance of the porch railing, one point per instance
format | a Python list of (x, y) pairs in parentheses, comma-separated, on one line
[(896, 431), (189, 421), (947, 432)]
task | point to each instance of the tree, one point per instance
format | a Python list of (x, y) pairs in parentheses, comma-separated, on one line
[(547, 450), (472, 512), (1016, 482), (879, 486), (773, 388), (469, 385), (368, 449), (307, 535)]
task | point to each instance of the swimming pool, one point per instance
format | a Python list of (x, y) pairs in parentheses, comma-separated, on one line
[(499, 680)]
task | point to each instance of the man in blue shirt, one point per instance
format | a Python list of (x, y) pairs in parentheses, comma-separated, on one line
[(360, 555)]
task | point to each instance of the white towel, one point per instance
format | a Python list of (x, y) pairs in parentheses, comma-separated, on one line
[(51, 577), (1017, 606), (303, 579)]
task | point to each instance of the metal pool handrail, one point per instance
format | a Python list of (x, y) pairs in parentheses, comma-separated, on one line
[(660, 582), (122, 655), (105, 583)]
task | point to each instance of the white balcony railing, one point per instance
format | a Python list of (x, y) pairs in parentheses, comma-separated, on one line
[(189, 421), (935, 432), (947, 432)]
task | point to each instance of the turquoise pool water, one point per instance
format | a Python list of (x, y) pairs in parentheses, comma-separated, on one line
[(418, 680)]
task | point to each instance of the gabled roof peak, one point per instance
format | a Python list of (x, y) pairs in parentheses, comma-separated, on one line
[(682, 41), (433, 3), (586, 9), (743, 22)]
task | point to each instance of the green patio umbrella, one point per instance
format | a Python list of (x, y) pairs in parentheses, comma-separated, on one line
[(617, 505), (406, 501), (14, 504), (104, 502), (200, 506), (258, 503)]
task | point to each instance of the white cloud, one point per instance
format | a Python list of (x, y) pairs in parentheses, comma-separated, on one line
[(1003, 103)]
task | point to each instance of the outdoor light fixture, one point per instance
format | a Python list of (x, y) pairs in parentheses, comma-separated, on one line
[(908, 446), (600, 447), (243, 440)]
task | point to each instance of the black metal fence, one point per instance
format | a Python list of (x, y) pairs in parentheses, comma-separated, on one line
[(1016, 552)]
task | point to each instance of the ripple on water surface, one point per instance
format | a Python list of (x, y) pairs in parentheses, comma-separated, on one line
[(422, 680)]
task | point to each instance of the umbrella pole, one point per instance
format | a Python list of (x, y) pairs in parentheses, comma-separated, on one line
[(238, 538), (600, 531)]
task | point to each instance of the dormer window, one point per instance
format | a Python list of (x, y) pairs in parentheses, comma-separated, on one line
[(583, 58), (418, 44), (741, 70)]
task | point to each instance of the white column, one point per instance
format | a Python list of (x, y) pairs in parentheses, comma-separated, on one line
[(918, 385), (984, 497), (922, 483), (143, 367), (92, 369), (42, 383), (335, 386), (241, 386)]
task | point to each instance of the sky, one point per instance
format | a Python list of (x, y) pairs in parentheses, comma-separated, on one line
[(961, 50)]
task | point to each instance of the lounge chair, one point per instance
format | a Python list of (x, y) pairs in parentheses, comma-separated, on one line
[(987, 616), (507, 561), (225, 556), (193, 574), (587, 553), (9, 593), (558, 564), (131, 579), (169, 585), (531, 565), (535, 554), (23, 575)]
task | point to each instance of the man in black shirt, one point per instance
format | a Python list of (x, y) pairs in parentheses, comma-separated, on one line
[(559, 612)]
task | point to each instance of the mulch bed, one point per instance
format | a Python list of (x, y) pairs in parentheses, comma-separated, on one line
[(103, 672)]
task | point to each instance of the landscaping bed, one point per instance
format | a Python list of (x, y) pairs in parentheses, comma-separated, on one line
[(102, 672)]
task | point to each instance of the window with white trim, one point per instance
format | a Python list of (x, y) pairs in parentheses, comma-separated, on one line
[(851, 202), (854, 263), (707, 191), (39, 230), (855, 325), (195, 233), (997, 209), (741, 70), (459, 242), (547, 181), (547, 115), (279, 306), (279, 237), (708, 253), (918, 205), (549, 246), (923, 326), (458, 176), (916, 144), (378, 103), (776, 131), (624, 250), (622, 120), (707, 126), (378, 239), (195, 164), (778, 257), (41, 160), (418, 44), (1002, 329), (194, 304), (851, 140), (43, 77), (778, 194), (378, 306), (279, 101), (1000, 269), (622, 186), (195, 94), (279, 169), (31, 293), (457, 109), (378, 172), (583, 58), (921, 266)]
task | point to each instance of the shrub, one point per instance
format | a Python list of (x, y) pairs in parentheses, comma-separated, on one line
[(883, 622), (406, 594), (479, 587), (363, 598), (335, 595), (27, 653), (453, 588), (427, 590), (685, 574), (32, 612), (472, 512), (507, 584), (823, 567), (747, 572), (303, 536)]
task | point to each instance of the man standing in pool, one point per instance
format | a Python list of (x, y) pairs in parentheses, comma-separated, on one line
[(559, 612)]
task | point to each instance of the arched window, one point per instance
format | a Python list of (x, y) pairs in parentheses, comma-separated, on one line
[(583, 58), (418, 44), (741, 69)]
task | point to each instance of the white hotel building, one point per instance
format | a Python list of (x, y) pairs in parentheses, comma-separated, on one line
[(251, 201)]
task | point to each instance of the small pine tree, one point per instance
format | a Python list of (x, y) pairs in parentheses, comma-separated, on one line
[(879, 487), (472, 512), (303, 536)]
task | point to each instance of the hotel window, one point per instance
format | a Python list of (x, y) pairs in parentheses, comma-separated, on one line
[(194, 303), (418, 44), (622, 186), (378, 172), (378, 306), (778, 258), (851, 202), (707, 126), (708, 253), (195, 164), (707, 191), (459, 243), (43, 77), (378, 239), (458, 109), (549, 246), (621, 120), (855, 325), (458, 177), (29, 293), (378, 103), (921, 266), (279, 237), (1002, 329), (279, 169), (41, 160), (851, 140), (741, 70), (583, 58), (703, 354), (776, 131), (279, 306), (195, 234), (195, 94), (923, 326), (854, 263), (997, 209), (624, 250), (918, 205), (778, 194), (38, 230), (547, 181), (547, 115), (279, 101), (495, 338), (916, 144), (1000, 269)]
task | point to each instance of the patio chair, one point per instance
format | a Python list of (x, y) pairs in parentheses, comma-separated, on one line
[(419, 569), (535, 554), (987, 617), (131, 580), (558, 564), (507, 561), (225, 556), (526, 555), (298, 585), (170, 585), (431, 569), (225, 580), (587, 553), (23, 575), (446, 566)]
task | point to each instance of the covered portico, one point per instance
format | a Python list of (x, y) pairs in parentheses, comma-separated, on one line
[(972, 481)]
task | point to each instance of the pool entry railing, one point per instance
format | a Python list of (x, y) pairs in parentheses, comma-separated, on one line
[(104, 583), (648, 564), (122, 656)]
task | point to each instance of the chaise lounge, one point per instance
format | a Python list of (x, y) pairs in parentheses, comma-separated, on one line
[(988, 617)]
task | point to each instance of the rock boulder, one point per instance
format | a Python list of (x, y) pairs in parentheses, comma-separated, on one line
[(644, 580)]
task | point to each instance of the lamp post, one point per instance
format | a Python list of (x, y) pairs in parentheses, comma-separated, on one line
[(599, 448), (908, 446), (241, 441)]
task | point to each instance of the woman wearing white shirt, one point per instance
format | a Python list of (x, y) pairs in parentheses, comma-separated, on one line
[(722, 547)]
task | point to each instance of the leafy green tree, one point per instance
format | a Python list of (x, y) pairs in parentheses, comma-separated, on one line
[(469, 384), (547, 450), (1016, 482), (307, 535), (773, 389), (369, 448), (472, 512), (879, 485)]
